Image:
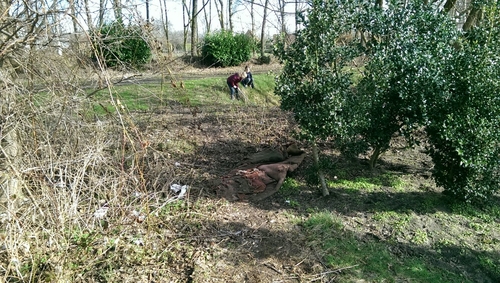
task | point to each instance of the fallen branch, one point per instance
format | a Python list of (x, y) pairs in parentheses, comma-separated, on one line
[(319, 275), (272, 267)]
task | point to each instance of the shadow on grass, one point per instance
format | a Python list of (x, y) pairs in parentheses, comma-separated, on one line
[(227, 134), (389, 259), (324, 249), (465, 262)]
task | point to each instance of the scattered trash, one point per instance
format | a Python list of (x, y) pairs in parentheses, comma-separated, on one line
[(179, 189), (60, 185), (4, 217), (139, 242), (139, 217), (177, 164), (101, 212)]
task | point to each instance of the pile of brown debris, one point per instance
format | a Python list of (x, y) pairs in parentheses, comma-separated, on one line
[(260, 175)]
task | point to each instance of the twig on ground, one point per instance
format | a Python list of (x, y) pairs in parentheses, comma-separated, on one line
[(320, 275), (243, 94), (272, 267)]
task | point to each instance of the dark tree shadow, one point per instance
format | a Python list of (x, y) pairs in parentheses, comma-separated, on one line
[(352, 203), (257, 250), (231, 134)]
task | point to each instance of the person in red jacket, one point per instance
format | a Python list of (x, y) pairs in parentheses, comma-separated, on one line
[(232, 83)]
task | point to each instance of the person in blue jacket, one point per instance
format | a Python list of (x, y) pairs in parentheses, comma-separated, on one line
[(248, 81)]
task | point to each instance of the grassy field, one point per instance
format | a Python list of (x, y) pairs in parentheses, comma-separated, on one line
[(196, 92)]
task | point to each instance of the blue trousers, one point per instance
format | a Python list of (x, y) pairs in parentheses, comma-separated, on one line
[(233, 91)]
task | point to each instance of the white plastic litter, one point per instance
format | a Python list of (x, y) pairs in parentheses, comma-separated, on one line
[(179, 189), (60, 185), (138, 242), (101, 212), (139, 217)]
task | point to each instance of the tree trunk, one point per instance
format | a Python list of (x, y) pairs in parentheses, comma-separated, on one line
[(231, 14), (102, 9), (194, 29), (252, 8), (208, 16), (88, 13), (263, 30), (296, 16), (321, 174), (282, 4), (4, 35), (74, 16), (117, 9), (471, 18), (373, 159), (10, 186), (219, 5), (164, 18), (186, 23)]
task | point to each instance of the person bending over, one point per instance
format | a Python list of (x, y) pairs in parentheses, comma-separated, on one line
[(232, 83)]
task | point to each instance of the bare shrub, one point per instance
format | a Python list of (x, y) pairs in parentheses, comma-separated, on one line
[(62, 167)]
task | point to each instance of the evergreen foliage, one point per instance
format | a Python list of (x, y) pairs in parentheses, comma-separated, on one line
[(225, 49), (117, 45), (465, 121), (314, 84), (407, 70)]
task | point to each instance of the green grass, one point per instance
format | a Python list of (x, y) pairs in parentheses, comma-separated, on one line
[(289, 187), (196, 92), (360, 183), (369, 184), (367, 259), (487, 213), (398, 243)]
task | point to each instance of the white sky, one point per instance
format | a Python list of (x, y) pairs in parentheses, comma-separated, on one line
[(241, 20)]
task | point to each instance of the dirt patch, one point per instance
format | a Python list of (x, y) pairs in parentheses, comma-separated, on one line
[(226, 241), (261, 241), (253, 245)]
